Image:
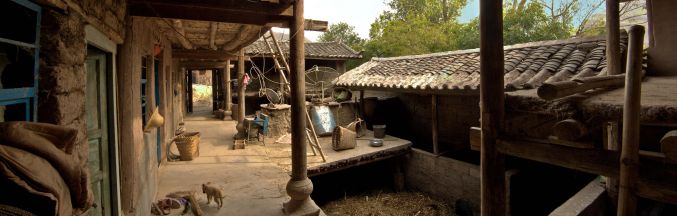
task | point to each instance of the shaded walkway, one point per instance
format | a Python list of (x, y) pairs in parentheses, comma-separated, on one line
[(253, 184)]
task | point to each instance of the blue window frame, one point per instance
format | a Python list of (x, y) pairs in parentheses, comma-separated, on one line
[(19, 60)]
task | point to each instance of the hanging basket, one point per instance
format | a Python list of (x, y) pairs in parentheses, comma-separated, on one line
[(188, 145), (342, 139)]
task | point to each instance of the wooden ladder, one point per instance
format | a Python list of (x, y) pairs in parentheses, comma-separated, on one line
[(283, 67)]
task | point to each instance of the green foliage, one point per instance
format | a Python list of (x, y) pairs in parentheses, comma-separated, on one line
[(415, 27), (344, 33), (427, 26)]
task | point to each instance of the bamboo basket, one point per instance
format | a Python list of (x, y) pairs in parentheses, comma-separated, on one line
[(343, 138), (359, 126), (188, 145)]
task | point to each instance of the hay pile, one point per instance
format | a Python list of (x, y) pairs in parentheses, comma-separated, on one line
[(377, 204)]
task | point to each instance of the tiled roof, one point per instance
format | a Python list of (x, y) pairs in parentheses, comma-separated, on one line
[(321, 50), (526, 66)]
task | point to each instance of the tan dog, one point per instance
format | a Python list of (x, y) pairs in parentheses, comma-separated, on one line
[(213, 192)]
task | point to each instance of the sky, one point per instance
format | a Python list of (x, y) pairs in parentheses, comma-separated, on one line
[(361, 17)]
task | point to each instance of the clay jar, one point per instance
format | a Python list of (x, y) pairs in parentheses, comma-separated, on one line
[(379, 131)]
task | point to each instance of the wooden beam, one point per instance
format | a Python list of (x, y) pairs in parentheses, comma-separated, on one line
[(627, 200), (203, 54), (240, 88), (435, 129), (669, 146), (56, 4), (656, 179), (229, 11), (212, 35), (193, 65), (492, 162), (181, 35), (310, 25), (569, 130), (237, 40), (613, 39)]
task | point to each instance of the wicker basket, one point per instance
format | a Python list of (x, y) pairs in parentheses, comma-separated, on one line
[(343, 138), (359, 126), (188, 145)]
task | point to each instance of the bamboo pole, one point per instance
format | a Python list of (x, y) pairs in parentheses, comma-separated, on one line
[(492, 163), (435, 122), (299, 186), (613, 37), (627, 199)]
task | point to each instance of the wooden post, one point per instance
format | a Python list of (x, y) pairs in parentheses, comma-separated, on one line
[(613, 37), (435, 122), (611, 143), (361, 104), (228, 97), (492, 167), (299, 186), (240, 97), (240, 87), (627, 199)]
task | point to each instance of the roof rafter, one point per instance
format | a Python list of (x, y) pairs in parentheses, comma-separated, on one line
[(230, 11), (181, 35)]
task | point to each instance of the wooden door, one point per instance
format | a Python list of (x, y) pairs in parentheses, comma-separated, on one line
[(97, 132)]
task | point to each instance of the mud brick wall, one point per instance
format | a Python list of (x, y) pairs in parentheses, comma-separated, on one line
[(456, 182), (62, 57)]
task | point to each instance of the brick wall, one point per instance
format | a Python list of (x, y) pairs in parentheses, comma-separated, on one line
[(448, 179)]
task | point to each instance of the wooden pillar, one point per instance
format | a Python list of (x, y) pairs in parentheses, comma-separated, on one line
[(435, 122), (611, 143), (492, 167), (228, 97), (299, 186), (240, 97), (627, 200), (613, 37), (240, 87)]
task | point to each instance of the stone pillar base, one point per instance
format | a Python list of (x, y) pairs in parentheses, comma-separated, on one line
[(227, 115), (306, 207), (301, 204)]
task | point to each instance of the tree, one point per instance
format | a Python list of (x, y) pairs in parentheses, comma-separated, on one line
[(415, 27), (344, 33)]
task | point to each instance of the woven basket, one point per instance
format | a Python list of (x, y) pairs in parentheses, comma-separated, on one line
[(342, 139), (359, 126), (188, 145)]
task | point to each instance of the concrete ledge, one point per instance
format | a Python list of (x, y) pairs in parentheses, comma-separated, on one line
[(591, 200)]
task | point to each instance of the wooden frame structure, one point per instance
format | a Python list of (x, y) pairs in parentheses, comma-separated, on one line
[(647, 179)]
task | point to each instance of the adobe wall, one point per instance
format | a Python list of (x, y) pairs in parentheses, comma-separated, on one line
[(62, 84), (138, 151)]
